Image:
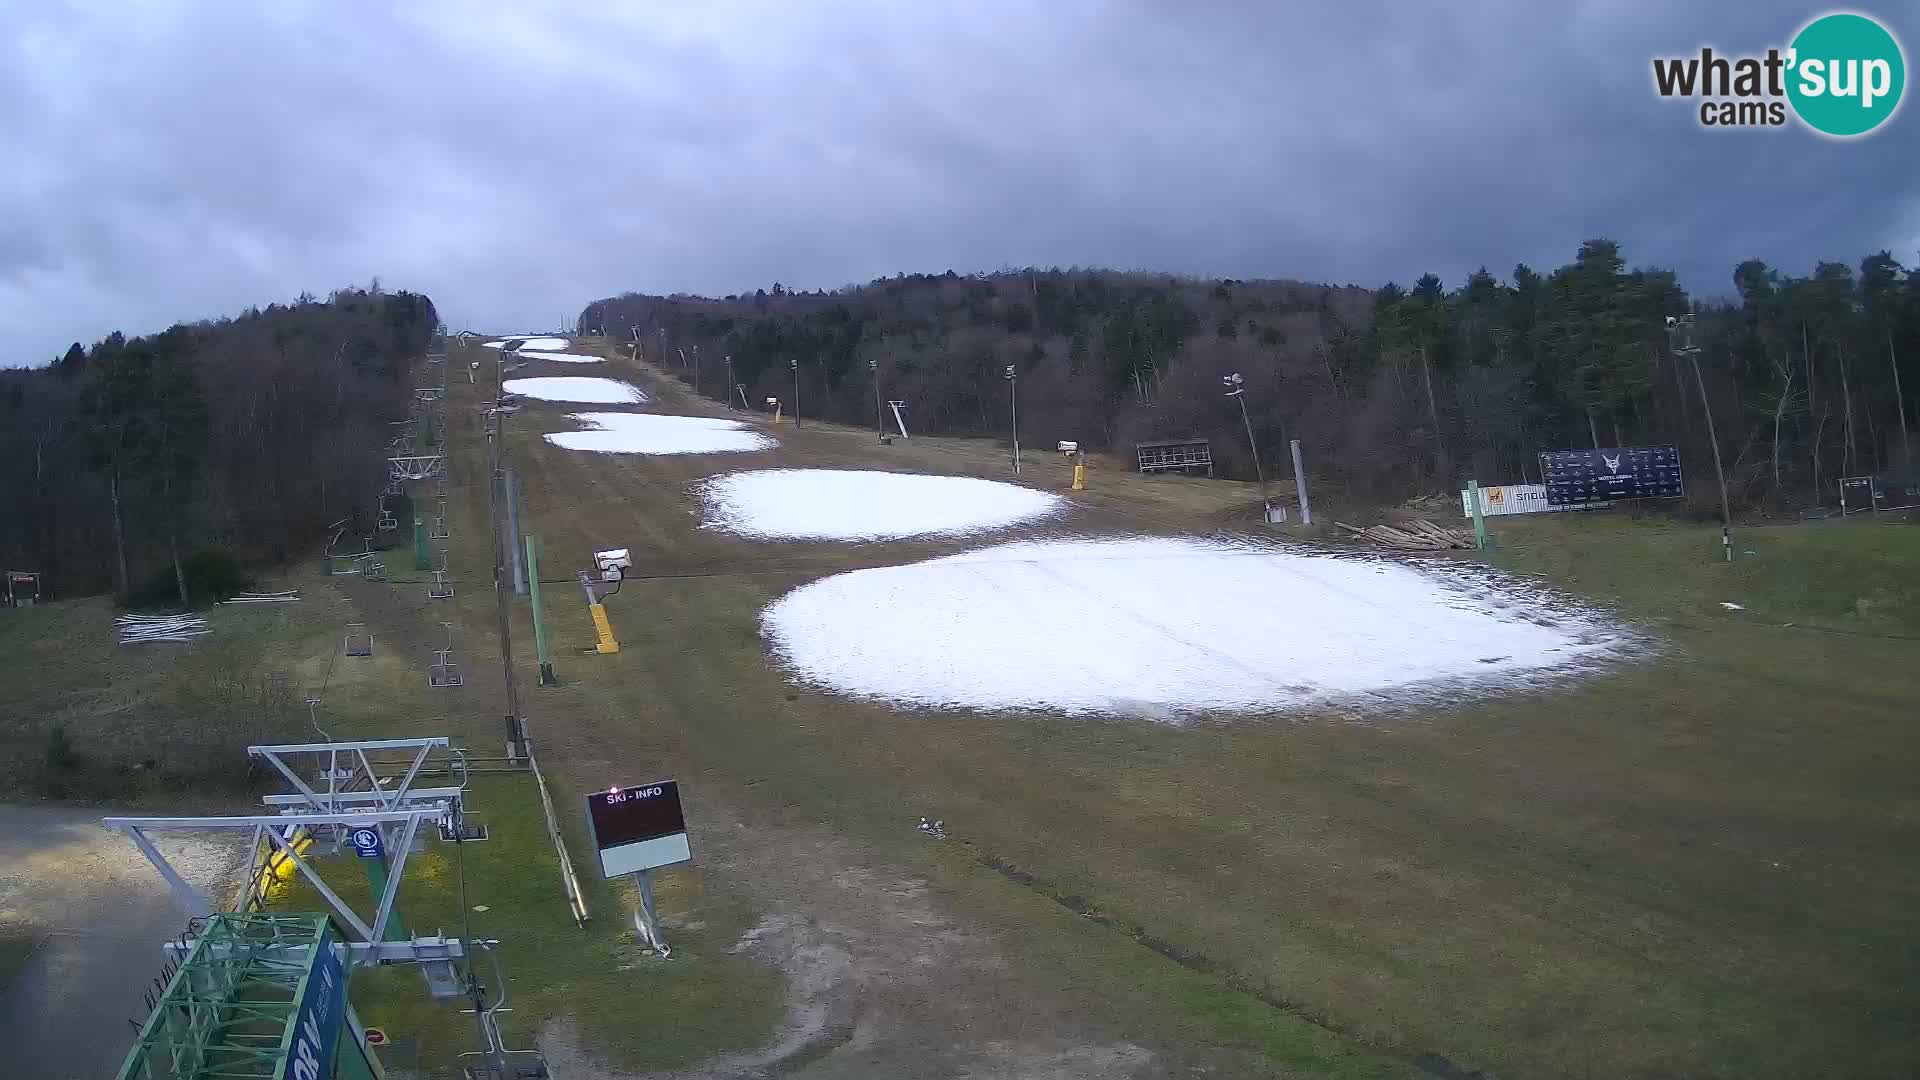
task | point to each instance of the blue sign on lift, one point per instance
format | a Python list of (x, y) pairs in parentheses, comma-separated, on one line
[(366, 843)]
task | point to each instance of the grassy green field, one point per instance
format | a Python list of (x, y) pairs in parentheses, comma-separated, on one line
[(1698, 864), (161, 723)]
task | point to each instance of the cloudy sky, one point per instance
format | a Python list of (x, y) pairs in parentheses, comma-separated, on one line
[(167, 161)]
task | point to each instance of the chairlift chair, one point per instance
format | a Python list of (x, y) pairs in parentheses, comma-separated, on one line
[(358, 640), (445, 671), (441, 588), (439, 530), (373, 569)]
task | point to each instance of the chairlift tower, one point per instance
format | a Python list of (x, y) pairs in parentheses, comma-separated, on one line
[(416, 466), (245, 994)]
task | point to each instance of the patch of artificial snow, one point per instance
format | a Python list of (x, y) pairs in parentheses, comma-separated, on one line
[(559, 357), (1168, 628), (648, 433), (577, 388), (554, 343), (834, 504)]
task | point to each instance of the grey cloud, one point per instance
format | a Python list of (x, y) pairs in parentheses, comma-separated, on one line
[(515, 161)]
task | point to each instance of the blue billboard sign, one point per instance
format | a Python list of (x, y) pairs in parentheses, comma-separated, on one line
[(316, 1023)]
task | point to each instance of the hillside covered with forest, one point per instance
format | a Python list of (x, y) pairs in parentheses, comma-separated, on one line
[(243, 437), (1393, 392)]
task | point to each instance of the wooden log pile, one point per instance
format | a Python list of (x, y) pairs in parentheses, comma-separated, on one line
[(1416, 535)]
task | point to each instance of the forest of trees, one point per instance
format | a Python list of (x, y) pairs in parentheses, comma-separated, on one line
[(1393, 392), (244, 437)]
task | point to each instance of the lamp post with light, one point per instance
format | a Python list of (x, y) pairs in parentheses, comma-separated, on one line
[(1236, 388), (1013, 397), (1680, 338)]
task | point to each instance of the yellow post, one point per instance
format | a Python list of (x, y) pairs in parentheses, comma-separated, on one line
[(603, 628), (1080, 472)]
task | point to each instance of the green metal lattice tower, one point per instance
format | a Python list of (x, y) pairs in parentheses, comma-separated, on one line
[(255, 995)]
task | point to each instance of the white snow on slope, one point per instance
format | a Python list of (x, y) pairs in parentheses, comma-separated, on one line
[(554, 343), (577, 388), (834, 504), (559, 357), (1168, 628), (648, 433)]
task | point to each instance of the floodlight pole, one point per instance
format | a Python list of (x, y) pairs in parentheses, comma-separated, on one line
[(879, 423), (1013, 396), (795, 365), (1680, 333), (1237, 390), (730, 382)]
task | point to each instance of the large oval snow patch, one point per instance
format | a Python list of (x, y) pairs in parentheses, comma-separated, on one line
[(835, 504), (1171, 627), (645, 433), (576, 388)]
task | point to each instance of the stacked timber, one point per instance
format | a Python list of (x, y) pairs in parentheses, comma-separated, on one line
[(1416, 535)]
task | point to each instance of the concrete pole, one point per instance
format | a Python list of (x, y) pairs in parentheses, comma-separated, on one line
[(1300, 485)]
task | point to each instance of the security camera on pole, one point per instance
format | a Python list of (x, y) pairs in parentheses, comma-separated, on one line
[(1236, 388), (1013, 397)]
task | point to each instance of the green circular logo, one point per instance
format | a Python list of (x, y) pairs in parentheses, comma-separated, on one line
[(1846, 74)]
